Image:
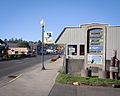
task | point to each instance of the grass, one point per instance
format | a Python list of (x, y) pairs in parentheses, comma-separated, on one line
[(93, 81)]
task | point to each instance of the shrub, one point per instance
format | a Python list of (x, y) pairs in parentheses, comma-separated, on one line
[(5, 57), (11, 56)]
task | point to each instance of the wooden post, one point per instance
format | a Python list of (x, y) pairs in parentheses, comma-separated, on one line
[(111, 67), (117, 68)]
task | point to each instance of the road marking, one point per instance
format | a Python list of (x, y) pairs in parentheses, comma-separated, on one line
[(16, 78)]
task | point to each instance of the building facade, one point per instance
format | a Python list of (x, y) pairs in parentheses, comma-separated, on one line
[(3, 48), (35, 48), (18, 51), (89, 46)]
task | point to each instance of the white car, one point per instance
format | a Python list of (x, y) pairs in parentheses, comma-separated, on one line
[(49, 51)]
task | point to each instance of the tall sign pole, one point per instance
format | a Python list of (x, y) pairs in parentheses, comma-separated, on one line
[(42, 24)]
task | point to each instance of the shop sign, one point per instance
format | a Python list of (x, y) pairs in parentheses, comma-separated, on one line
[(94, 59), (95, 51), (95, 40), (113, 69), (71, 49), (95, 47), (48, 38)]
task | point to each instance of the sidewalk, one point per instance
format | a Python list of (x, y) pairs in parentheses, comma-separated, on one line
[(35, 82)]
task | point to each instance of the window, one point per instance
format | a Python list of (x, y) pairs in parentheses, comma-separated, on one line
[(16, 52), (23, 52), (12, 51), (82, 48), (0, 51), (72, 49)]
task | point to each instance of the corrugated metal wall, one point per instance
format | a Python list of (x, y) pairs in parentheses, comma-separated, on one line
[(72, 35), (77, 35), (113, 41)]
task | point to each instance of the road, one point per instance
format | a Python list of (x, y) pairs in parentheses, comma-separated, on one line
[(19, 66), (71, 90)]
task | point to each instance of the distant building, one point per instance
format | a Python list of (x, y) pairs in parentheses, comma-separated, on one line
[(3, 48), (89, 46), (18, 51), (11, 44), (35, 47)]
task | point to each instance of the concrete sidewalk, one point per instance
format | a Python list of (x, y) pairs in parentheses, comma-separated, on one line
[(35, 82)]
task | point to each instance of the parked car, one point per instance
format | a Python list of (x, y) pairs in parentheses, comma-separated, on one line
[(49, 51)]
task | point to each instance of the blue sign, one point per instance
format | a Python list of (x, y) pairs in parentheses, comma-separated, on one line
[(95, 47)]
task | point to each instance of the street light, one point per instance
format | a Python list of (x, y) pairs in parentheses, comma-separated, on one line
[(42, 24)]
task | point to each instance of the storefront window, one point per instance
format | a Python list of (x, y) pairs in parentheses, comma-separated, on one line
[(72, 49), (82, 49)]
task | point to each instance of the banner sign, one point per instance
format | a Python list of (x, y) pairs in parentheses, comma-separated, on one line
[(94, 59), (48, 38)]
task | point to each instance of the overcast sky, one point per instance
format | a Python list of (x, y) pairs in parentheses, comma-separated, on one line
[(21, 18)]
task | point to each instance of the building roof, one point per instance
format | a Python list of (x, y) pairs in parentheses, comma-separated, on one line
[(81, 26), (63, 32), (12, 44), (93, 24), (1, 41)]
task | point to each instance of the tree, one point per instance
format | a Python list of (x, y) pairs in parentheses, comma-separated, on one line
[(23, 44), (39, 42), (5, 40), (12, 39), (16, 40)]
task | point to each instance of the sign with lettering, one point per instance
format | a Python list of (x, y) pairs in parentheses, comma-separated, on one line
[(96, 48), (113, 69), (95, 40), (94, 59), (48, 38)]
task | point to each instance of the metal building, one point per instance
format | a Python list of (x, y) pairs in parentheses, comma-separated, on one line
[(89, 45)]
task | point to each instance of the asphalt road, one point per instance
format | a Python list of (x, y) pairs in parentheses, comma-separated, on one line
[(18, 66)]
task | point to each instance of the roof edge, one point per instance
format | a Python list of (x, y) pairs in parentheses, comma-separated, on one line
[(60, 35), (63, 32)]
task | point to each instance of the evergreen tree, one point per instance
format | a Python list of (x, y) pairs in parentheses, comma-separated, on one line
[(23, 44), (5, 40)]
